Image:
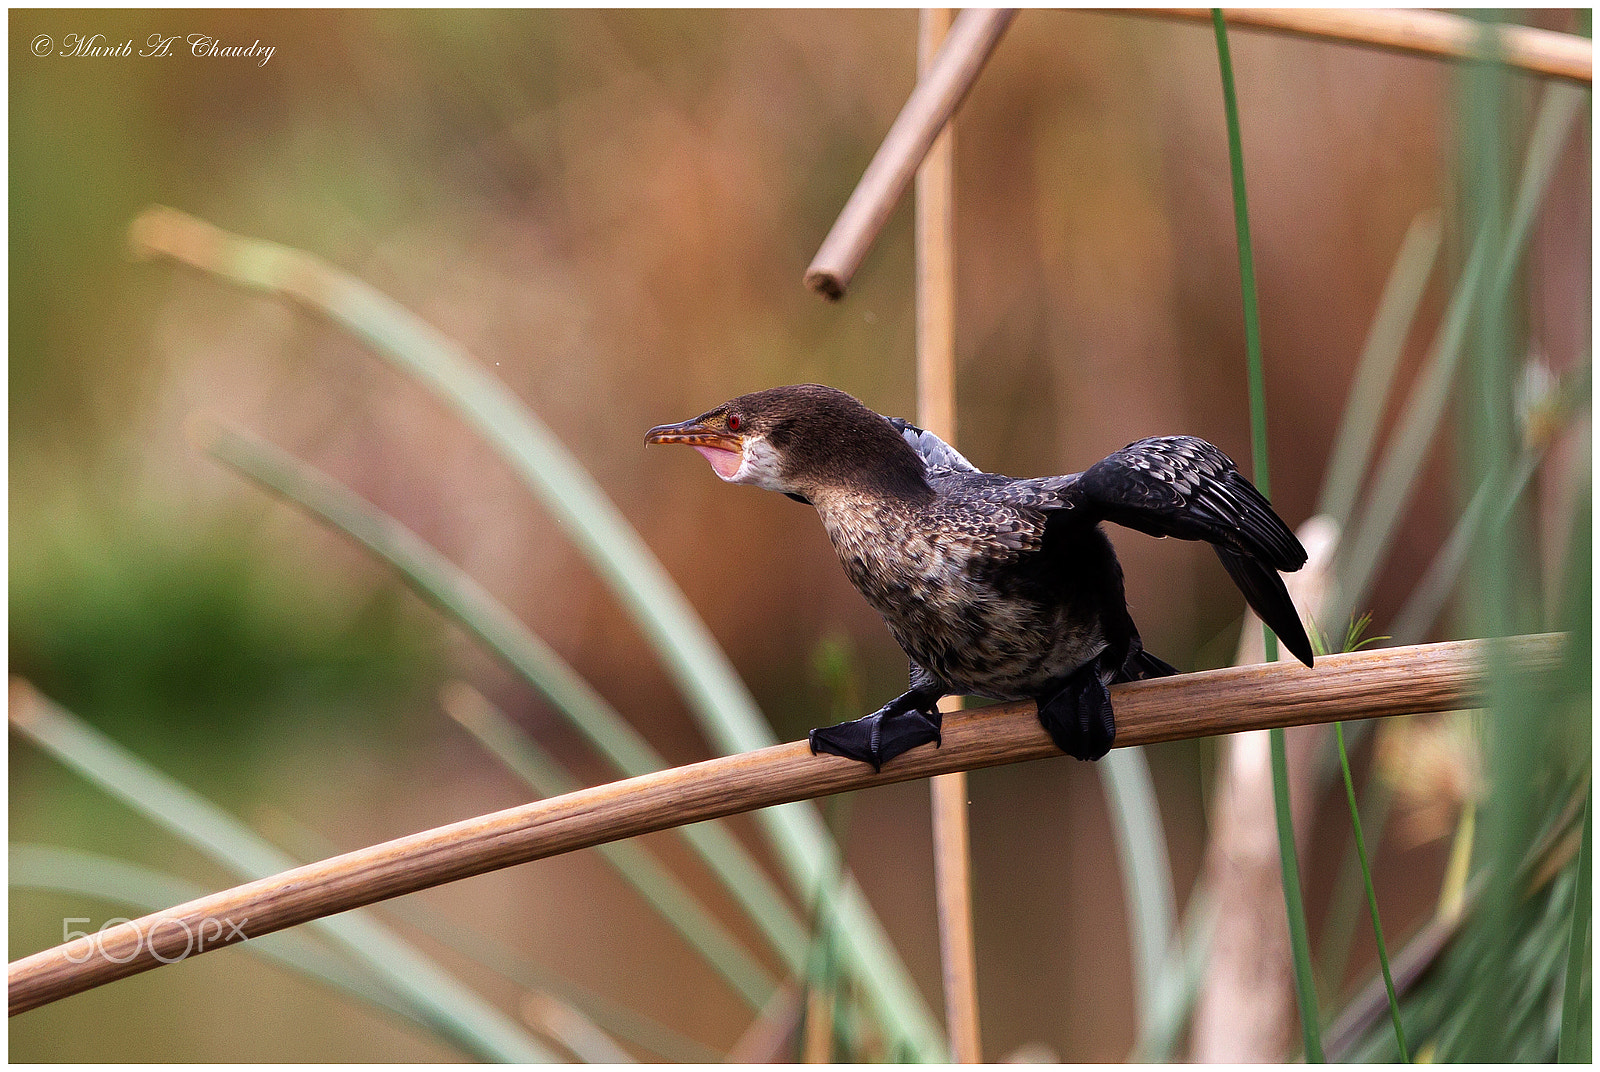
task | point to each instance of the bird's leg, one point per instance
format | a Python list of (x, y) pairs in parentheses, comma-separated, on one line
[(1078, 715), (910, 719)]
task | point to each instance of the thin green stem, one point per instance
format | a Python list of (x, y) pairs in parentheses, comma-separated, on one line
[(1372, 894), (1305, 986), (1247, 266), (1299, 941), (1339, 926)]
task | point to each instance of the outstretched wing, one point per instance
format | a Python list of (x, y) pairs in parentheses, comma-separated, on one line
[(1184, 487), (935, 452)]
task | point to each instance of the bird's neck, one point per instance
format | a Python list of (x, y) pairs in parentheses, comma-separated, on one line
[(868, 530), (878, 491)]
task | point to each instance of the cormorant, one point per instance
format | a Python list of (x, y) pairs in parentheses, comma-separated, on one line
[(993, 586)]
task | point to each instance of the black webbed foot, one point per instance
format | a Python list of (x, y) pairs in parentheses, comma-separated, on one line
[(1078, 716), (897, 726)]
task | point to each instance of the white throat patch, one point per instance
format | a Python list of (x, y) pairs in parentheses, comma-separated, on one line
[(760, 466)]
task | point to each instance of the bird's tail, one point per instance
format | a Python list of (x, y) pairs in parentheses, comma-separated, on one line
[(1264, 590)]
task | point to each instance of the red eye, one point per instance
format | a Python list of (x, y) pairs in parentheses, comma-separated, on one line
[(734, 421)]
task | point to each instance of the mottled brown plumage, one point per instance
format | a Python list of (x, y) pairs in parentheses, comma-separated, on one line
[(995, 587)]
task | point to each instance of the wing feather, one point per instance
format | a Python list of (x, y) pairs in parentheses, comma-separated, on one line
[(935, 452), (1186, 488)]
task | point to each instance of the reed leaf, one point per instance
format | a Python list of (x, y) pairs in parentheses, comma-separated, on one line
[(1146, 874), (1178, 985), (1344, 905), (1375, 370), (1516, 729)]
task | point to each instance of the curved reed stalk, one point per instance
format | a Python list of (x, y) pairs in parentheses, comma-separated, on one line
[(1422, 33), (1392, 681)]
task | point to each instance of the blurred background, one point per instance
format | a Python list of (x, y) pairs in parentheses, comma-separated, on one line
[(613, 211)]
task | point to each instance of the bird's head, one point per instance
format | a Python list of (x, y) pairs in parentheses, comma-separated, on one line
[(803, 441)]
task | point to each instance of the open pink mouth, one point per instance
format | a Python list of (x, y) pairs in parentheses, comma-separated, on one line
[(725, 462)]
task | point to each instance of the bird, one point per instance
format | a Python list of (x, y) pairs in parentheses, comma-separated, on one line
[(996, 587)]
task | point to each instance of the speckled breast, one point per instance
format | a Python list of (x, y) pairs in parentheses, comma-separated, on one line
[(952, 611)]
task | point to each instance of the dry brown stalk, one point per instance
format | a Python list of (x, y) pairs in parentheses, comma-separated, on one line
[(1390, 681), (972, 38), (936, 284), (936, 411), (1422, 33)]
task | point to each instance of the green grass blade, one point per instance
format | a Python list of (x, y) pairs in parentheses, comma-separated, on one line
[(87, 874), (469, 603), (1576, 1024), (1498, 604), (450, 1007), (1146, 872), (568, 1025), (1179, 983), (503, 739), (1372, 894), (719, 701), (1375, 370), (1299, 943), (1247, 267)]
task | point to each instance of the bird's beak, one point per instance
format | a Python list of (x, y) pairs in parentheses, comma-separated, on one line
[(724, 450)]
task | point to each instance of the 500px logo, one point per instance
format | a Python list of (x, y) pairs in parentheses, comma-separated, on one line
[(208, 931)]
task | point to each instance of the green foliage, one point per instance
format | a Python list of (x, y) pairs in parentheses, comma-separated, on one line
[(162, 633), (1439, 1012)]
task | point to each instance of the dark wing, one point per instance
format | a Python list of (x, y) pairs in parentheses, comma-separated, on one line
[(1186, 488), (935, 452)]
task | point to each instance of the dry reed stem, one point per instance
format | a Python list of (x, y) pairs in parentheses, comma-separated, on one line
[(972, 39), (936, 411), (1245, 1010), (1367, 684), (1421, 33), (935, 242)]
